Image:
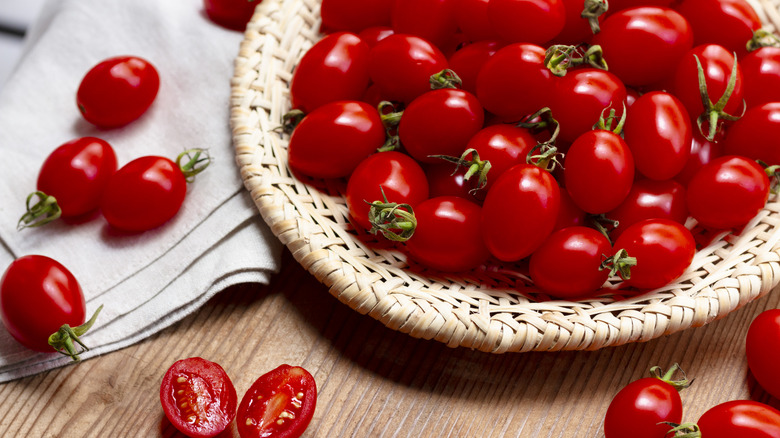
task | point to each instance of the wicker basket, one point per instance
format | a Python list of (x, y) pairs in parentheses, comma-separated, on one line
[(491, 309)]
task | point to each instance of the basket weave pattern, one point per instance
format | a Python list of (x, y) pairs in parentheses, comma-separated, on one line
[(493, 309)]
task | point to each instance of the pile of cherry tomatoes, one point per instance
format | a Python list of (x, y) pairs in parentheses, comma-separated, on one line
[(573, 139)]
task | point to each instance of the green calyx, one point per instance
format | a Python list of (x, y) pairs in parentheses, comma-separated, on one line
[(471, 161), (762, 38), (290, 120), (395, 221), (685, 430), (192, 162), (679, 384), (445, 79), (606, 123), (713, 112), (559, 58), (39, 213), (620, 264), (591, 11), (390, 117), (63, 339)]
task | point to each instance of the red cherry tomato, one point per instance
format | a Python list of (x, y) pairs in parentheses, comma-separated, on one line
[(445, 180), (280, 404), (658, 131), (729, 23), (431, 20), (333, 139), (762, 347), (335, 68), (727, 192), (354, 15), (740, 418), (702, 152), (117, 91), (503, 146), (527, 21), (650, 199), (520, 211), (761, 73), (663, 250), (198, 397), (468, 61), (373, 35), (397, 175), (567, 265), (231, 14), (401, 65), (756, 135), (569, 214), (598, 171), (473, 21), (576, 29), (448, 236), (641, 44), (440, 122)]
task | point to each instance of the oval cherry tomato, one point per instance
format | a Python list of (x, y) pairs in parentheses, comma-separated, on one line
[(117, 91), (373, 35), (642, 43), (401, 65), (335, 68), (729, 23), (727, 192), (527, 21), (520, 211), (431, 20), (37, 296), (740, 418), (761, 73), (333, 139), (598, 171), (397, 175), (503, 146), (448, 236), (658, 131), (473, 21), (279, 404), (440, 122), (756, 135), (762, 347), (568, 264), (198, 397), (469, 60), (231, 14), (663, 250), (702, 152), (354, 15), (650, 199)]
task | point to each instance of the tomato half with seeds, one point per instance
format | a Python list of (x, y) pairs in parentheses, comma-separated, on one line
[(280, 404), (198, 397)]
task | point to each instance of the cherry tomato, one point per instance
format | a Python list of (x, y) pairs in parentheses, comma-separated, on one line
[(702, 152), (642, 43), (663, 250), (658, 131), (472, 19), (333, 139), (619, 5), (198, 397), (448, 236), (729, 23), (401, 65), (280, 404), (373, 35), (354, 15), (503, 146), (117, 91), (335, 68), (431, 20), (761, 73), (642, 408), (444, 179), (520, 211), (468, 61), (231, 14), (440, 122), (396, 175), (37, 296), (567, 265), (650, 199), (527, 21), (762, 347), (576, 28), (514, 82), (598, 171), (740, 418), (727, 192), (756, 134)]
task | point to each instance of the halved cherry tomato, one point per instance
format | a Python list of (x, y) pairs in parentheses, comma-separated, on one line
[(279, 404), (198, 397)]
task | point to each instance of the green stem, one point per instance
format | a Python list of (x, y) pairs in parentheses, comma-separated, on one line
[(591, 11), (62, 340), (470, 160), (396, 222), (714, 112), (620, 264), (197, 160), (679, 384), (40, 213), (445, 79), (390, 117), (762, 38)]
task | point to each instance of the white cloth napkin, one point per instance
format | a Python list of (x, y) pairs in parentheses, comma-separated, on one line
[(150, 280)]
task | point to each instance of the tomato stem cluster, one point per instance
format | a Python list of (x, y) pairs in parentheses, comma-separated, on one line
[(395, 221), (197, 161), (41, 213), (713, 112), (62, 340)]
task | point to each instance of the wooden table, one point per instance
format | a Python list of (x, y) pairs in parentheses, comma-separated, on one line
[(372, 381)]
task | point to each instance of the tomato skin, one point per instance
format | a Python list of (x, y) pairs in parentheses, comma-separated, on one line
[(599, 171), (576, 29), (440, 122), (37, 296), (335, 68), (740, 418), (569, 214), (467, 62), (444, 180), (472, 19), (761, 72), (728, 192), (400, 177), (756, 135), (729, 23), (566, 265), (659, 134), (527, 21), (144, 194), (76, 173), (373, 35), (207, 393), (504, 146), (762, 348), (431, 20), (354, 15), (333, 139), (275, 393), (650, 199), (642, 43), (448, 236), (641, 409), (702, 152), (520, 211), (231, 14), (117, 91)]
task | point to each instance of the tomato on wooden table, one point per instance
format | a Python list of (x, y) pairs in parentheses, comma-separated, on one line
[(762, 348), (737, 418), (198, 397), (231, 14), (117, 91), (756, 135), (279, 404)]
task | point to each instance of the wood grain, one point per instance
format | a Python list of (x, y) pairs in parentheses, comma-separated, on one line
[(372, 381)]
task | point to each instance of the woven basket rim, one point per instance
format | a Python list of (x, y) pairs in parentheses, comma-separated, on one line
[(482, 310)]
